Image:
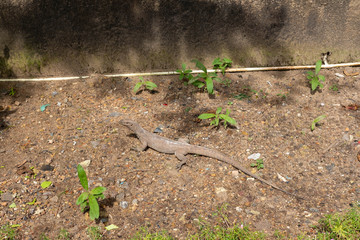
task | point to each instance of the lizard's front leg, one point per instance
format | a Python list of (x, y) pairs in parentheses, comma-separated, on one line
[(142, 147), (181, 156)]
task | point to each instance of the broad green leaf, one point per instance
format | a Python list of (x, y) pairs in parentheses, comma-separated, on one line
[(111, 227), (150, 85), (199, 65), (217, 121), (82, 198), (46, 184), (216, 61), (227, 112), (209, 85), (97, 190), (319, 118), (228, 119), (82, 177), (314, 85), (227, 61), (218, 110), (178, 70), (142, 79), (137, 86), (83, 206), (318, 67), (15, 225), (206, 115), (183, 66), (213, 122), (94, 207), (193, 79), (203, 75), (316, 120), (13, 205), (198, 84), (181, 76), (99, 196), (321, 77), (188, 71)]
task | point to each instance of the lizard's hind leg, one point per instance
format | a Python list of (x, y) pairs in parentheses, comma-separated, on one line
[(181, 156)]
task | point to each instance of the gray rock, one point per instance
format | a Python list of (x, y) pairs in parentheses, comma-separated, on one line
[(95, 143), (115, 114), (124, 204), (6, 197), (120, 197)]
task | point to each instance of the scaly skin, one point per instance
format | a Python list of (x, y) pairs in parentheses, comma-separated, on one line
[(180, 149)]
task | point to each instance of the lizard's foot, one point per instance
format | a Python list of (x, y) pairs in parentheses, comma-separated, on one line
[(179, 165)]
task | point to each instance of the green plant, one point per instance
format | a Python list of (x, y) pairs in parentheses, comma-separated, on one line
[(89, 198), (316, 120), (184, 73), (242, 96), (148, 85), (283, 95), (259, 164), (94, 233), (63, 235), (218, 231), (340, 226), (145, 234), (12, 92), (8, 231), (208, 78), (218, 117), (222, 64), (334, 87), (315, 78), (205, 78)]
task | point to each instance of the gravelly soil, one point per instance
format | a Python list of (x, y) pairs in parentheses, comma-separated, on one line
[(81, 123)]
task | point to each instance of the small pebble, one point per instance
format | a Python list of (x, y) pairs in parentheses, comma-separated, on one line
[(6, 197), (124, 204), (254, 156)]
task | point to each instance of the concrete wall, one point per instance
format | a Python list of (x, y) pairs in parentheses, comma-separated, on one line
[(54, 37)]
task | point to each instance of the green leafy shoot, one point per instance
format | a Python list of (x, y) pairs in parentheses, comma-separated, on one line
[(184, 73), (206, 77), (222, 64), (316, 120), (148, 85), (315, 78), (32, 203), (89, 198), (259, 164), (11, 92), (45, 184), (218, 116)]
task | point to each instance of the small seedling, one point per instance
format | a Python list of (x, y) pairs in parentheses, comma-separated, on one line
[(94, 233), (334, 87), (283, 95), (316, 120), (315, 78), (184, 73), (148, 85), (218, 117), (12, 92), (208, 78), (89, 198), (222, 64), (259, 164), (242, 96)]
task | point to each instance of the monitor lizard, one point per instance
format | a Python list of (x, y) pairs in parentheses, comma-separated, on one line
[(181, 148)]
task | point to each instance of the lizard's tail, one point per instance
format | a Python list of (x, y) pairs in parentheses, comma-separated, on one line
[(224, 158)]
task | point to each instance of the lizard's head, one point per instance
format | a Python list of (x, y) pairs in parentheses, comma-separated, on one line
[(128, 123)]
